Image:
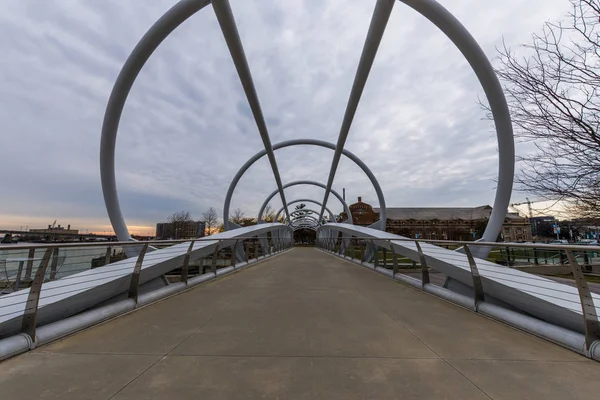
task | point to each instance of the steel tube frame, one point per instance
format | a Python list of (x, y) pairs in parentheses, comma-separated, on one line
[(166, 24), (305, 182), (309, 142), (308, 201), (484, 71), (381, 15), (305, 219), (222, 10), (430, 9)]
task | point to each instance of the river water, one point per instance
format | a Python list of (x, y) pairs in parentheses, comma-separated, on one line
[(69, 261)]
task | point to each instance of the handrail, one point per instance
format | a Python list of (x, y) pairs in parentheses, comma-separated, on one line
[(589, 311), (117, 243), (30, 301), (580, 247)]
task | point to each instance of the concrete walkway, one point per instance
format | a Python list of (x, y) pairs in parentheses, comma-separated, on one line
[(304, 325)]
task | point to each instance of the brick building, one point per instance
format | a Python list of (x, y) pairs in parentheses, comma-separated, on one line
[(441, 223)]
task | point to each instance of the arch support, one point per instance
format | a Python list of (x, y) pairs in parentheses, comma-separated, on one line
[(307, 201), (305, 182), (308, 142)]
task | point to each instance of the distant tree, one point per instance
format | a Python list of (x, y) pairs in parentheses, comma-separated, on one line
[(181, 216), (177, 221), (554, 101), (268, 214), (211, 221), (248, 221), (237, 217)]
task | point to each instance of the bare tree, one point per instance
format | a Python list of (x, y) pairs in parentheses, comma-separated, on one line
[(211, 221), (181, 216), (178, 221), (268, 214), (237, 217), (553, 96), (248, 221)]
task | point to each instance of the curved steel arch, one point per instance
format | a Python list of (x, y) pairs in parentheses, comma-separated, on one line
[(466, 44), (312, 228), (309, 142), (306, 217), (166, 24), (305, 182), (306, 210), (305, 221), (308, 201), (430, 9)]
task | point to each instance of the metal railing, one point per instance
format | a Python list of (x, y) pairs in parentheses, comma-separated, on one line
[(44, 263), (381, 253)]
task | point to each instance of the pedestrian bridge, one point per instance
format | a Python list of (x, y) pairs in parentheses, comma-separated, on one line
[(302, 324), (145, 320)]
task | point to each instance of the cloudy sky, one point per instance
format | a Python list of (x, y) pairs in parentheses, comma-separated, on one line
[(186, 128)]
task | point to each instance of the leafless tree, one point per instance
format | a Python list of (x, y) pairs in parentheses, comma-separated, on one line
[(237, 217), (177, 221), (553, 97), (211, 221), (181, 216), (269, 214), (248, 221)]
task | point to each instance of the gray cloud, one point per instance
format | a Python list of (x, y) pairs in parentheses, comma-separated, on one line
[(187, 128)]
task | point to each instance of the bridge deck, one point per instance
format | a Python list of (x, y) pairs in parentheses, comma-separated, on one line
[(302, 325)]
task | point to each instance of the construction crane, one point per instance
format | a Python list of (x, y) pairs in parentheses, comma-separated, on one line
[(534, 227), (528, 202), (53, 224)]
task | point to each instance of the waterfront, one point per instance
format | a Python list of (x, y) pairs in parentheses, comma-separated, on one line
[(68, 260)]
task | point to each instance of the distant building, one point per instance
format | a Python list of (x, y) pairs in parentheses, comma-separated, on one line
[(440, 223), (543, 226), (56, 232), (180, 230)]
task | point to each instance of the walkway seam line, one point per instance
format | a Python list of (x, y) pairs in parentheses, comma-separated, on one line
[(415, 336), (190, 335)]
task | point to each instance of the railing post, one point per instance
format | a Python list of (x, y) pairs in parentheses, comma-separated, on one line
[(362, 251), (29, 268), (186, 263), (424, 268), (18, 279), (233, 254), (134, 285), (590, 317), (54, 265), (31, 306), (384, 258), (586, 262), (375, 258), (394, 259), (107, 256), (478, 294), (213, 267)]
